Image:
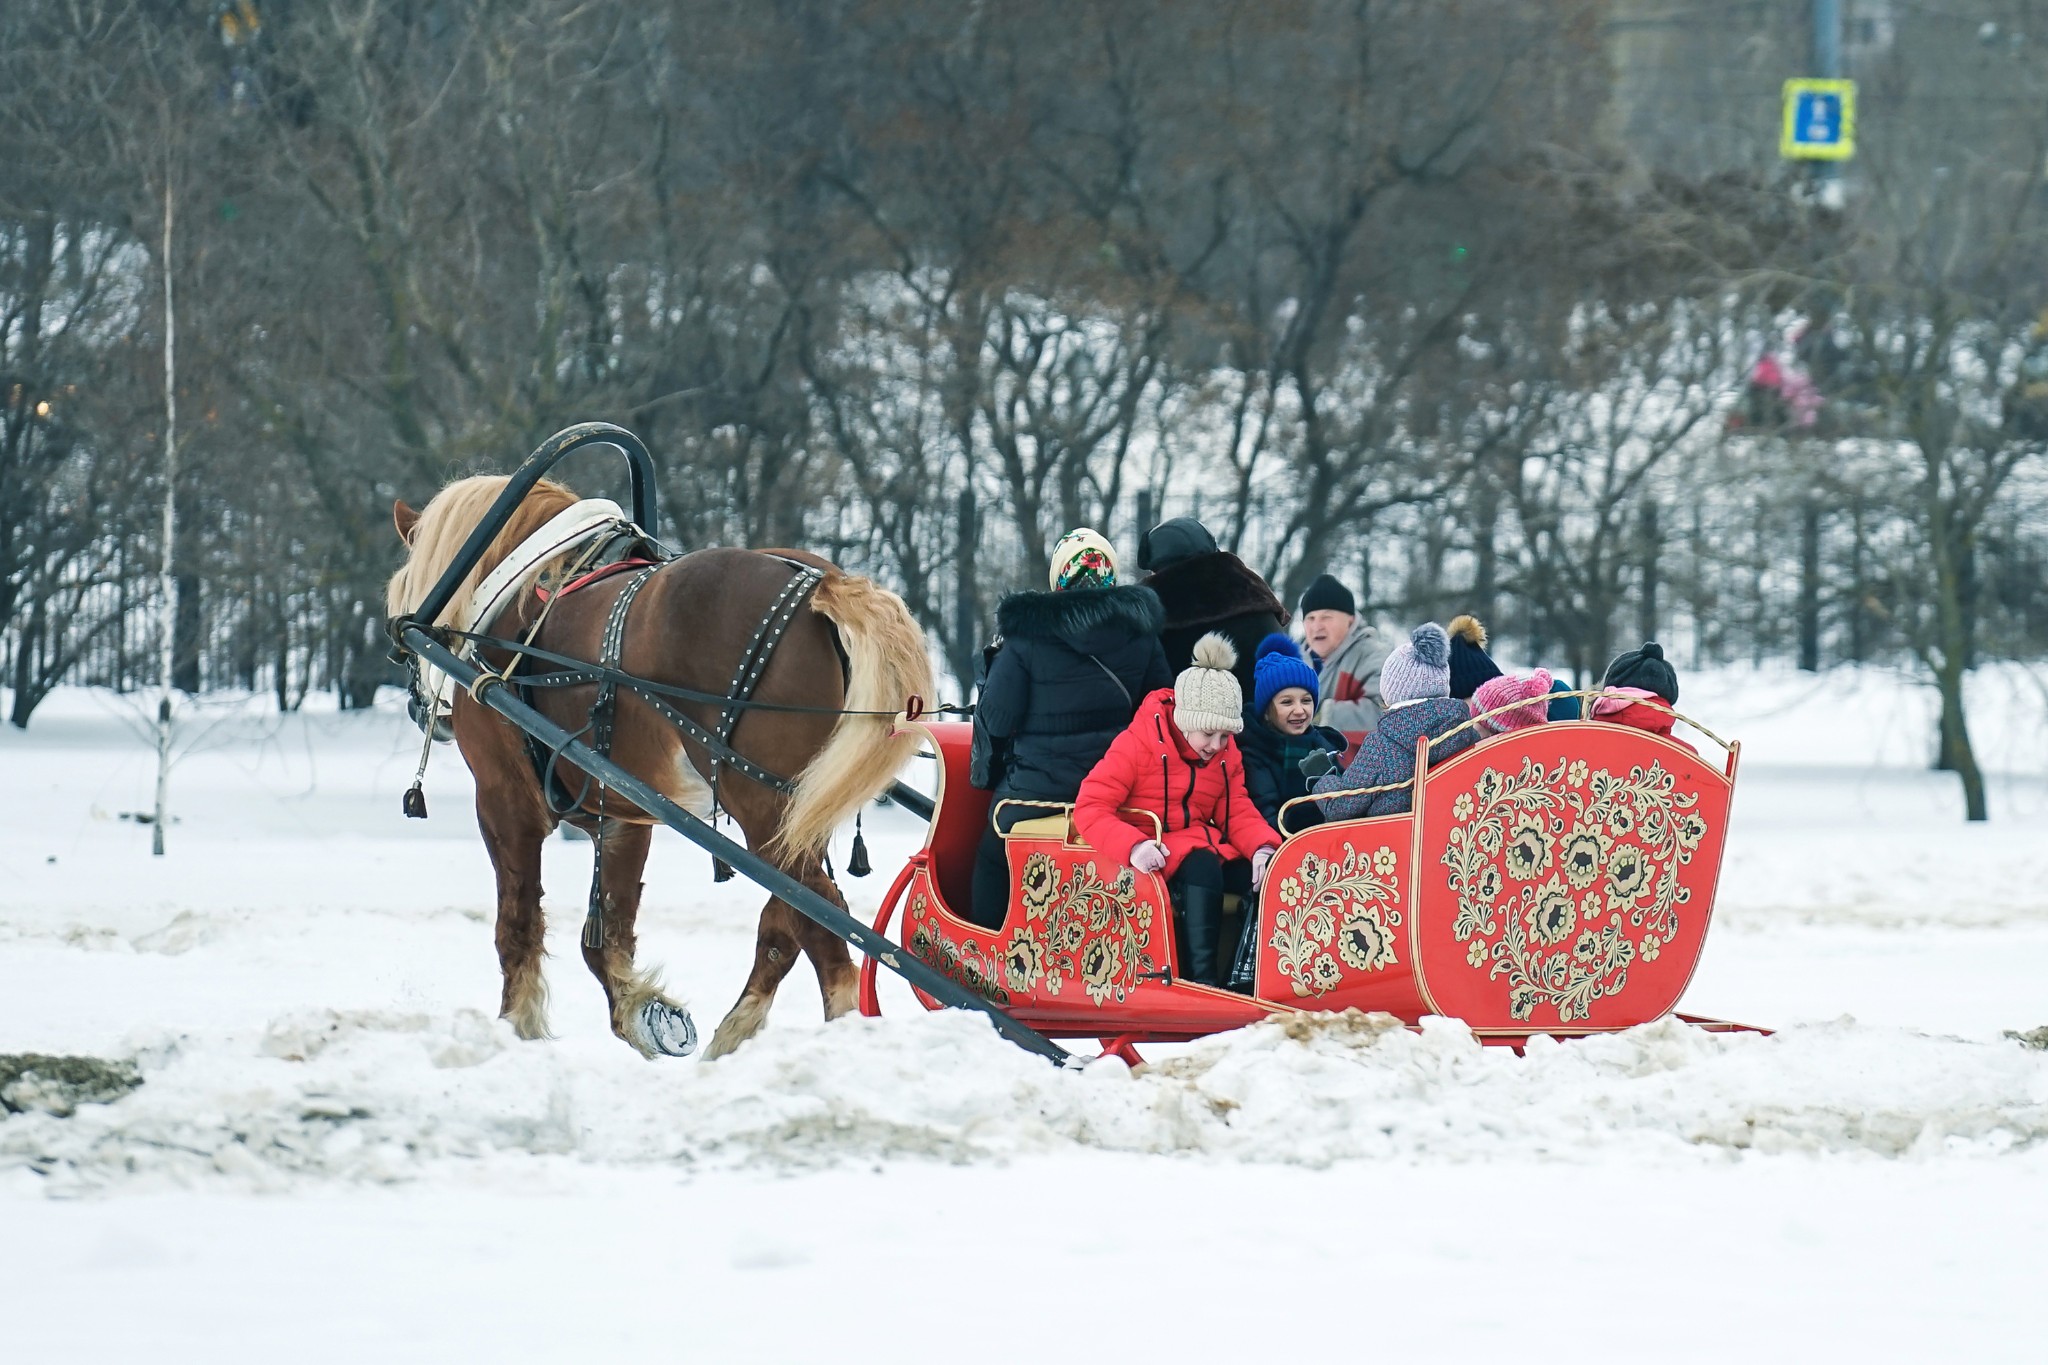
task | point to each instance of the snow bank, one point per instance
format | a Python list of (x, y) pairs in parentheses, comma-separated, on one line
[(388, 1097), (305, 982)]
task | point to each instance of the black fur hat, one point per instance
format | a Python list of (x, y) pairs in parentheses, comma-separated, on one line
[(1087, 618), (1170, 542), (1644, 668)]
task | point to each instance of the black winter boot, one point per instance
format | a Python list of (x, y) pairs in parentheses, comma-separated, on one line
[(1227, 930), (1201, 924), (1241, 972)]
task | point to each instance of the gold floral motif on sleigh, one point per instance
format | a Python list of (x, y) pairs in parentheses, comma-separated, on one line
[(1336, 913), (963, 962), (1566, 877), (1077, 927)]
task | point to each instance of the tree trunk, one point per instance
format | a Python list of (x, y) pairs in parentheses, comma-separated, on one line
[(1486, 567), (1758, 608), (281, 666), (1968, 596), (1859, 614), (1649, 542), (1809, 585), (28, 688), (1697, 589), (1957, 753), (185, 632), (967, 628), (366, 669), (1365, 607)]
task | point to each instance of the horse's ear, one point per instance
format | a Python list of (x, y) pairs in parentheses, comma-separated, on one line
[(405, 519)]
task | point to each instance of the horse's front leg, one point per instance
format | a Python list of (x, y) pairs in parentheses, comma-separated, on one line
[(641, 1012), (513, 834)]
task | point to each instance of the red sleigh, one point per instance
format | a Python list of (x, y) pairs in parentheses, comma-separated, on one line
[(1555, 879)]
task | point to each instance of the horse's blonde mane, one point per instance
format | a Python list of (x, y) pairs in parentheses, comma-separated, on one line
[(446, 522)]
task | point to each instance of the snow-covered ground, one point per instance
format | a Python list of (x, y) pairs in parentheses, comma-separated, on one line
[(338, 1154)]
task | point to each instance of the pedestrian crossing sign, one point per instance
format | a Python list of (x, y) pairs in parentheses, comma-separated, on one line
[(1820, 120)]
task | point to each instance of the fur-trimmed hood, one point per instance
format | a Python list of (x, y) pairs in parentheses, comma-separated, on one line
[(1213, 587), (1091, 620)]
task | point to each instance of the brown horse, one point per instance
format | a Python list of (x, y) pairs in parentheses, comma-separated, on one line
[(855, 647)]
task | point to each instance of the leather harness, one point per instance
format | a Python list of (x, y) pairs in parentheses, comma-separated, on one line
[(609, 677)]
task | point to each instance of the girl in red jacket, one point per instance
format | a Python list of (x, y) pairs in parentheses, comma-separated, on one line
[(1178, 760), (1634, 683)]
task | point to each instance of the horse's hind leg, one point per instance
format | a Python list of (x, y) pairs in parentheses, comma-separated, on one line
[(514, 840), (838, 978), (641, 1012), (783, 933), (775, 950)]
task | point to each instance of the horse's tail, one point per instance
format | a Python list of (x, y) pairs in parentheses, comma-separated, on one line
[(886, 663)]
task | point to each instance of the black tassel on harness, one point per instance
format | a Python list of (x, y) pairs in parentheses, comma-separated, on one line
[(857, 864), (415, 803), (721, 870)]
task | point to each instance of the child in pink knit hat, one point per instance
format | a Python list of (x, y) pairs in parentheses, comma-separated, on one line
[(1508, 689), (1639, 709)]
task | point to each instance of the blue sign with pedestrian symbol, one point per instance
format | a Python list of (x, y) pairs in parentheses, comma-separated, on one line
[(1820, 120)]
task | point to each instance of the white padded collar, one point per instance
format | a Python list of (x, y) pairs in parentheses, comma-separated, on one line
[(572, 526)]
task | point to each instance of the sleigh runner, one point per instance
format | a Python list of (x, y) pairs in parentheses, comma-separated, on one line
[(1556, 879)]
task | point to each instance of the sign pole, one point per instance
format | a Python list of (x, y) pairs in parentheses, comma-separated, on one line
[(1827, 64), (167, 580)]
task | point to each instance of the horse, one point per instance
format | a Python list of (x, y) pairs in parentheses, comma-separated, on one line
[(848, 660)]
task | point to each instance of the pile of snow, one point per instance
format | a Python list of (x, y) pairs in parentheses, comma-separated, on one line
[(389, 1097)]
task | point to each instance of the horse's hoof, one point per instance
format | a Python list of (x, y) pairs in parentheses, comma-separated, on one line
[(663, 1030)]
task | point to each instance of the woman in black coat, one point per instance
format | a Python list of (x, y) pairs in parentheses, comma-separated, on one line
[(1074, 664), (1202, 589)]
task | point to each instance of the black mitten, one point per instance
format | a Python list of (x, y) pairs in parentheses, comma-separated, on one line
[(1313, 766)]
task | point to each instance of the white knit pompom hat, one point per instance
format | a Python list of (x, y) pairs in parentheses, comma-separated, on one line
[(1206, 695)]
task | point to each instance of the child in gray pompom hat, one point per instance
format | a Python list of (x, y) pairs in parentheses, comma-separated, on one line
[(1416, 684)]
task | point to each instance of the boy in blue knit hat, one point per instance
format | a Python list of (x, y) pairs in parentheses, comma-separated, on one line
[(1279, 732)]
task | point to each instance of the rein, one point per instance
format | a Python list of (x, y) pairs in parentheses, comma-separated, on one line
[(582, 672)]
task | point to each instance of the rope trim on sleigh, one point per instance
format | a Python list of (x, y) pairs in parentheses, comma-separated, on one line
[(1584, 694)]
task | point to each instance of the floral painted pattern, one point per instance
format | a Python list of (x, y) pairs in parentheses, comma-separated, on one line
[(1336, 913), (1567, 877), (963, 962), (1076, 927)]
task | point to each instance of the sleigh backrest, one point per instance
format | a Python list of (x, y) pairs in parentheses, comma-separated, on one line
[(960, 812), (1564, 876), (1557, 879)]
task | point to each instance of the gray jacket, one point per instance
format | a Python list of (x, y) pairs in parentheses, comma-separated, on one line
[(1348, 682)]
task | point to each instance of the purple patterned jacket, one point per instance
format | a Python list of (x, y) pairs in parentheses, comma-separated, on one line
[(1388, 755)]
